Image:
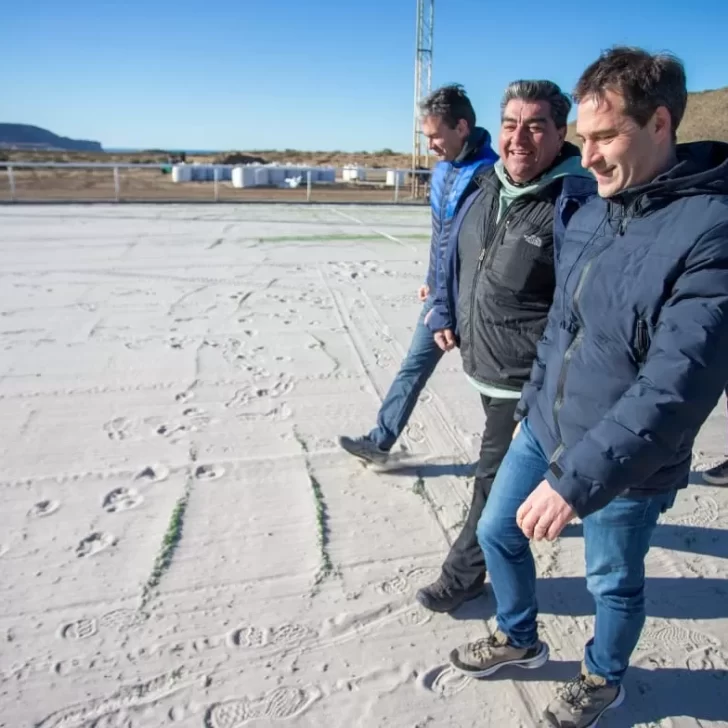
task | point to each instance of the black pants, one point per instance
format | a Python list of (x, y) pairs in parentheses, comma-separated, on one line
[(464, 567)]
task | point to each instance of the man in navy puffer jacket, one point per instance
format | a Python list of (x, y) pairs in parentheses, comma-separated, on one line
[(632, 362), (448, 121)]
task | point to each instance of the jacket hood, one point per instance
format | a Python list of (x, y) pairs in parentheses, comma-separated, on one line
[(702, 168), (478, 139)]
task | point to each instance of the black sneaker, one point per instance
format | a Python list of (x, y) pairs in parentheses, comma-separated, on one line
[(441, 597), (364, 449), (717, 475)]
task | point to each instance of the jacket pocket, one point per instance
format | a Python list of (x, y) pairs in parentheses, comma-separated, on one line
[(524, 261)]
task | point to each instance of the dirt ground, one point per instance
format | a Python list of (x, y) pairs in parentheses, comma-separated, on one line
[(138, 185)]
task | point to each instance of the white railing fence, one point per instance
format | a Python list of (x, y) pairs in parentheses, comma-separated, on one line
[(129, 182)]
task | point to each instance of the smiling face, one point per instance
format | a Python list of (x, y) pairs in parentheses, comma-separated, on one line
[(529, 140), (443, 141), (616, 149)]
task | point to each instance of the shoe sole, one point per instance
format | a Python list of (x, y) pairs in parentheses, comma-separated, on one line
[(715, 480), (621, 695), (363, 458), (532, 663)]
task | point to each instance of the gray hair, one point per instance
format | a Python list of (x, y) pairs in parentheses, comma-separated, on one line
[(559, 102), (451, 104)]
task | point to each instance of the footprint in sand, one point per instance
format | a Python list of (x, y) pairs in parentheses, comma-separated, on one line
[(122, 499), (122, 620), (209, 472), (118, 428), (184, 396), (676, 637), (81, 629), (396, 585), (166, 430), (705, 512), (153, 474), (94, 543), (707, 659), (248, 637), (444, 681), (278, 704), (43, 508), (416, 432), (291, 635), (415, 617)]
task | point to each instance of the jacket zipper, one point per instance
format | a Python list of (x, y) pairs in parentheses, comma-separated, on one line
[(573, 346), (643, 341), (489, 251)]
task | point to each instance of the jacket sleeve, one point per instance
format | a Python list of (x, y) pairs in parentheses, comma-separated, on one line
[(444, 302), (678, 386), (430, 278), (538, 368)]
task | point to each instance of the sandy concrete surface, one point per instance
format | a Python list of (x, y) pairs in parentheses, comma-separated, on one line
[(184, 544)]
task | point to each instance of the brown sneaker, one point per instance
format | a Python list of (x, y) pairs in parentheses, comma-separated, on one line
[(582, 701), (485, 656)]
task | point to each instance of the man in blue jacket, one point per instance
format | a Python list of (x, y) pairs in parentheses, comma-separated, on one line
[(632, 362), (448, 122)]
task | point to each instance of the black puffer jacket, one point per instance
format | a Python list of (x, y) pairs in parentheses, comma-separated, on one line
[(506, 278)]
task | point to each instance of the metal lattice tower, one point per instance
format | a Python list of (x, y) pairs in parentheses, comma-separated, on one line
[(423, 82)]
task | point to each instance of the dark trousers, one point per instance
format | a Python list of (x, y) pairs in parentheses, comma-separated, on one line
[(464, 567)]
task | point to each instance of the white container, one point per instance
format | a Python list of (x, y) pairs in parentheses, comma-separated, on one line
[(261, 176), (394, 177), (352, 173), (276, 175), (181, 173), (243, 177)]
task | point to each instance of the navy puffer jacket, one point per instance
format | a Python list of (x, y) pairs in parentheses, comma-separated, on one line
[(635, 354)]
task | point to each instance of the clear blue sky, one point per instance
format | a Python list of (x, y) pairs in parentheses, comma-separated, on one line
[(309, 74)]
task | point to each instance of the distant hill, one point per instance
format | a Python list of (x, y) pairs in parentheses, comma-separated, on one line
[(24, 136), (706, 117)]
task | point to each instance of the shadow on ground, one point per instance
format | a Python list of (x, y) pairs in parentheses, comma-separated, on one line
[(406, 466)]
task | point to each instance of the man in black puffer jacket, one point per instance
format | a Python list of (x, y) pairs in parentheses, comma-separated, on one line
[(632, 362), (495, 297)]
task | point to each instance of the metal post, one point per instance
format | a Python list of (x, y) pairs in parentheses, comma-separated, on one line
[(11, 180), (308, 186), (117, 190), (216, 178), (396, 186)]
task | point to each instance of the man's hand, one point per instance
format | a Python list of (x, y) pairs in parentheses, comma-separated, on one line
[(544, 513), (423, 292), (445, 339)]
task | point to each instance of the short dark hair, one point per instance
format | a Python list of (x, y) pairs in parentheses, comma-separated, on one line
[(451, 104), (548, 91), (645, 81)]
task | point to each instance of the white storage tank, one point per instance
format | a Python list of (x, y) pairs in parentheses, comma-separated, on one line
[(276, 175), (181, 173), (395, 177), (243, 177), (353, 173)]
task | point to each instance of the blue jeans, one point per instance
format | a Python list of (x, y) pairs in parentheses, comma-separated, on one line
[(417, 367), (616, 540)]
